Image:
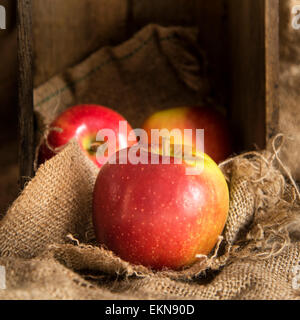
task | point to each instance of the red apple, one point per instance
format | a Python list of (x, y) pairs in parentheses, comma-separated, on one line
[(217, 140), (83, 122), (157, 215)]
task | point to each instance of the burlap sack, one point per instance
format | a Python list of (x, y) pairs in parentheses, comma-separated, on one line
[(50, 223), (289, 116), (98, 23), (158, 68), (47, 242)]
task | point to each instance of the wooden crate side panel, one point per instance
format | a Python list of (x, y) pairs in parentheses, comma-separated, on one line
[(25, 102), (66, 32), (254, 60), (272, 68), (212, 22)]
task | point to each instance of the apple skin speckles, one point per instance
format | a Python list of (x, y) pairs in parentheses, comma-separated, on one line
[(82, 123), (150, 220), (217, 135)]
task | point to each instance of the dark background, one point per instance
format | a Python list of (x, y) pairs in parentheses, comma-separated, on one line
[(57, 24), (8, 109)]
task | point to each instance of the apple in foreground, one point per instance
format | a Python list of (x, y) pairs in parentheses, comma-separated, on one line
[(155, 214), (217, 138), (83, 122)]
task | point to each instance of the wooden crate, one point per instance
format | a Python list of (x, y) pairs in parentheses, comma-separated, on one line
[(243, 41)]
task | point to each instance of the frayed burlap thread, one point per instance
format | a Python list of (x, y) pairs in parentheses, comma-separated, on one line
[(56, 202), (47, 234), (47, 241)]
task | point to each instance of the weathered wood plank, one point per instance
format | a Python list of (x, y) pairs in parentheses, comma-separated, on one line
[(241, 38), (254, 70), (272, 67), (212, 23), (73, 29), (25, 97), (66, 32)]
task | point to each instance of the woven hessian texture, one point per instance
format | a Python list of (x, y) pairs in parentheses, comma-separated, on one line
[(48, 248), (47, 242)]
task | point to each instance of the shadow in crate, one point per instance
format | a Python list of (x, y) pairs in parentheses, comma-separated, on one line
[(242, 62)]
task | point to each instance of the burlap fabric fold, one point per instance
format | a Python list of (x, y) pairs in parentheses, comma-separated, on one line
[(48, 247), (47, 242), (158, 68)]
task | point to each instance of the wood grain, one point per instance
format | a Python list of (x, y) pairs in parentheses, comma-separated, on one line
[(25, 102), (272, 67), (254, 70), (240, 37), (68, 31)]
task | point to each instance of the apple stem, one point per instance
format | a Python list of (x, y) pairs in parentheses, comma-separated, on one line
[(95, 145)]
